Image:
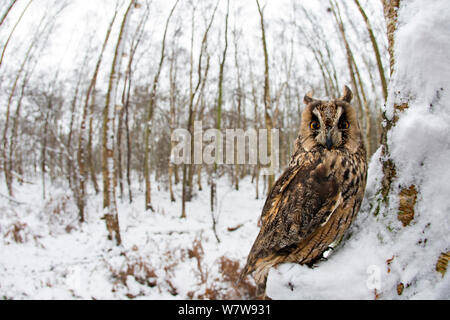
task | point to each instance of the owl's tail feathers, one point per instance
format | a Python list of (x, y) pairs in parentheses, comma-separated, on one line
[(243, 274)]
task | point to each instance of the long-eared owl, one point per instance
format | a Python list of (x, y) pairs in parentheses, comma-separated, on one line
[(315, 200)]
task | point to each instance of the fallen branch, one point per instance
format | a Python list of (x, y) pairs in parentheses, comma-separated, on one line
[(12, 199), (231, 229)]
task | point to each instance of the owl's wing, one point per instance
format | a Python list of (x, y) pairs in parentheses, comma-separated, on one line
[(302, 199)]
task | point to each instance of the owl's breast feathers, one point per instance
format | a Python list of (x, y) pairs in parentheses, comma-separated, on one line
[(310, 206)]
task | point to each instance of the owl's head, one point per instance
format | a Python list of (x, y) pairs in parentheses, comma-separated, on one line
[(330, 124)]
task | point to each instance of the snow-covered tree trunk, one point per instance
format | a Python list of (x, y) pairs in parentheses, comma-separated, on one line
[(415, 148)]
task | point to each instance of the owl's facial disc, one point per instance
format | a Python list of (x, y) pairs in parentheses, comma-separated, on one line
[(329, 132)]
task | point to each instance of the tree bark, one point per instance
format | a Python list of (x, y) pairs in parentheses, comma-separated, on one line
[(389, 172), (375, 49), (188, 168), (148, 123), (29, 53), (359, 92), (12, 31), (267, 101), (109, 195), (8, 9), (82, 136), (219, 125)]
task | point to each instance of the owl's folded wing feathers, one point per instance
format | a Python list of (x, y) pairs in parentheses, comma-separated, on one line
[(302, 199)]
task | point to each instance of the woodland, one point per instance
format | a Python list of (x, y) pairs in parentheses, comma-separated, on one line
[(90, 98)]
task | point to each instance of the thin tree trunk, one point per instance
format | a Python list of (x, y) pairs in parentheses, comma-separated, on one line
[(375, 49), (256, 123), (12, 31), (43, 154), (239, 101), (318, 48), (327, 81), (148, 123), (109, 200), (28, 55), (127, 132), (219, 126), (349, 54), (70, 161), (267, 101), (172, 118), (15, 125), (89, 156), (188, 168), (119, 151), (8, 9), (82, 137), (128, 84)]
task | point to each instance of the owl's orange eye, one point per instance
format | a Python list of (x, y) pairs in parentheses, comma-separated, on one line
[(344, 125), (315, 125)]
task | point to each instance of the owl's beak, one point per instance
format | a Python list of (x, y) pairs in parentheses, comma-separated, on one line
[(329, 141)]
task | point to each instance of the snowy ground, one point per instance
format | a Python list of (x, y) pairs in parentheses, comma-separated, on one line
[(46, 254)]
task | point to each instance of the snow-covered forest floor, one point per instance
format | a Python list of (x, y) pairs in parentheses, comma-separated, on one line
[(47, 254)]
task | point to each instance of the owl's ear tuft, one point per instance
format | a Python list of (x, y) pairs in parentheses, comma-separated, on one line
[(308, 98), (348, 95)]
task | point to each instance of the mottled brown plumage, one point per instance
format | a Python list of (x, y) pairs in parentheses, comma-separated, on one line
[(315, 200)]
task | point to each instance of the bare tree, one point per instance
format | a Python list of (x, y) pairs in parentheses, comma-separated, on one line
[(268, 114), (376, 50), (109, 194), (151, 107), (202, 71), (8, 9), (173, 101), (5, 46), (219, 124), (25, 71), (126, 96), (84, 118), (358, 87)]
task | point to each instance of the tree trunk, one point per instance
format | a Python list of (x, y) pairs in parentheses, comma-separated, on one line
[(8, 9), (172, 119), (82, 136), (13, 29), (188, 168), (267, 101), (219, 126), (357, 85), (148, 123), (109, 194), (22, 68), (375, 49)]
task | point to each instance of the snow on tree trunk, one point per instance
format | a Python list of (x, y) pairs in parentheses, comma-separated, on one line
[(399, 245)]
